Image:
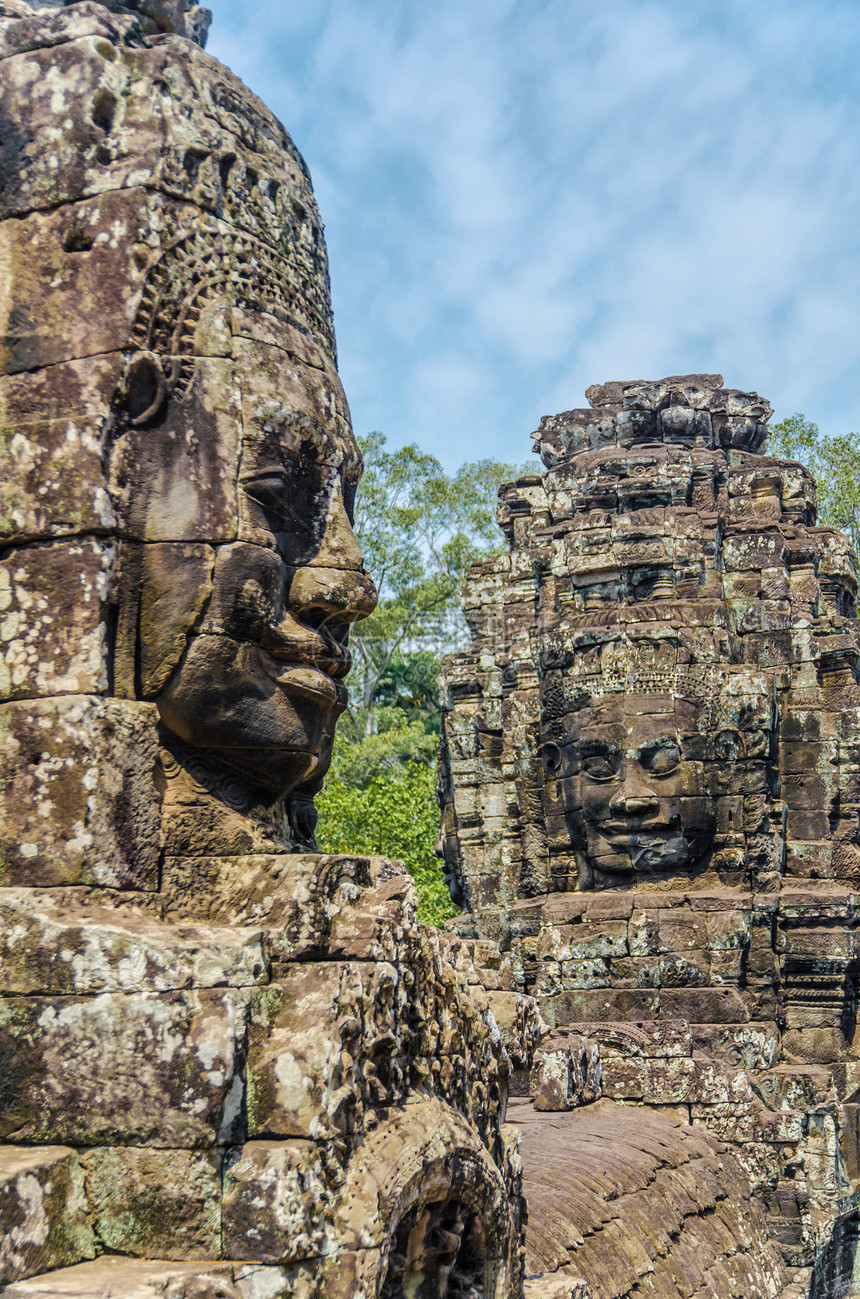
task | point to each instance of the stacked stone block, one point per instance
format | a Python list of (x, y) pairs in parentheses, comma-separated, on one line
[(187, 1089), (649, 780), (230, 1067)]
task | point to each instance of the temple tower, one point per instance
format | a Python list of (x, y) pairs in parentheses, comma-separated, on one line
[(650, 782)]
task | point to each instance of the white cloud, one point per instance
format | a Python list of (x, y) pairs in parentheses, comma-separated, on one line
[(523, 198)]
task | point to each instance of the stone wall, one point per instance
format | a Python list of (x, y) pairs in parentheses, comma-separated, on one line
[(281, 1082)]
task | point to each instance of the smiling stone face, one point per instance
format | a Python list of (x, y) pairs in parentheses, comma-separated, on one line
[(245, 571), (183, 468), (633, 785)]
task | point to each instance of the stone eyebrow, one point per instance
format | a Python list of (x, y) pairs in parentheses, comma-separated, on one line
[(597, 747), (660, 742)]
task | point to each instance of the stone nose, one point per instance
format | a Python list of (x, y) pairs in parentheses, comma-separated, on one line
[(339, 546), (331, 595)]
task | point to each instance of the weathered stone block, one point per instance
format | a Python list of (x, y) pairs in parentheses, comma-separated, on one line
[(151, 1203), (704, 1005), (296, 897), (138, 1069), (277, 1202), (644, 933), (568, 1073), (43, 1211), (53, 622), (728, 929), (78, 802), (93, 296), (818, 1044), (660, 1040), (674, 1082), (742, 1121), (46, 948), (520, 1025), (601, 1004), (795, 1087), (743, 1046), (300, 1029), (54, 482), (584, 941)]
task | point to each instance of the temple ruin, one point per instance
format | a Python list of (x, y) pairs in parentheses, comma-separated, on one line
[(650, 801), (232, 1067)]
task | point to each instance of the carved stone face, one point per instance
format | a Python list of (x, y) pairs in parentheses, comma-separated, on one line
[(632, 785), (251, 572)]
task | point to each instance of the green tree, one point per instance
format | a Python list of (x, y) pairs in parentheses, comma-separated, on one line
[(392, 816), (419, 529), (835, 464)]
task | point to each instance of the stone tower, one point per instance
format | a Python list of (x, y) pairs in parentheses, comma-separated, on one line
[(650, 784), (229, 1066)]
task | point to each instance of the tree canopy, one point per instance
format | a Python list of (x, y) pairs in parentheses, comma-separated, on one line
[(835, 464), (419, 529)]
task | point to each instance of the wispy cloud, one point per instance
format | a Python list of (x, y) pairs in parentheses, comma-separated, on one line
[(525, 197)]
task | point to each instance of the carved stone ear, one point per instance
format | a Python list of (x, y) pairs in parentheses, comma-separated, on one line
[(145, 388), (552, 758), (729, 746)]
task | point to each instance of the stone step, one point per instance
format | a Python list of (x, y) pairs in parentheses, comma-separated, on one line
[(112, 1277)]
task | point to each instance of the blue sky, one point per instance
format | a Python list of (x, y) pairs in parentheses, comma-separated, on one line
[(524, 198)]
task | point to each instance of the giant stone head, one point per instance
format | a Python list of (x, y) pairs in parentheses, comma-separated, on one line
[(179, 556)]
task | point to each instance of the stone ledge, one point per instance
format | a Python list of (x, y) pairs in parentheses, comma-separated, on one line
[(122, 1278)]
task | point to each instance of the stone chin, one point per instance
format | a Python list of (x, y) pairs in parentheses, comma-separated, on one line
[(268, 721)]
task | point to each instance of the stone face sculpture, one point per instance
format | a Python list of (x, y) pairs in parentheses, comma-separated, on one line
[(650, 788), (219, 1050), (227, 466)]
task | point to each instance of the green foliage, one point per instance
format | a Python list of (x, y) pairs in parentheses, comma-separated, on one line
[(393, 815), (419, 529), (835, 463), (356, 763), (409, 688)]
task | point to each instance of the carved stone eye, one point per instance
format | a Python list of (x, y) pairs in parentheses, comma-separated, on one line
[(662, 759), (601, 766), (267, 489)]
